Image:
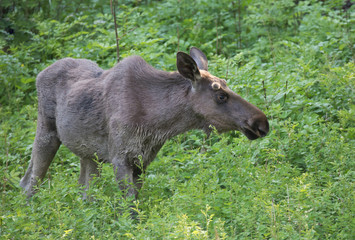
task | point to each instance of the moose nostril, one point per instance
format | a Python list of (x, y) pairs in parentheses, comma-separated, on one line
[(263, 132), (261, 126)]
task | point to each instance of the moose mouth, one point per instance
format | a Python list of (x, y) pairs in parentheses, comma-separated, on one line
[(251, 135), (246, 130)]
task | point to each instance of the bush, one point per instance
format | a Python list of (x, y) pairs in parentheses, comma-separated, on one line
[(293, 59)]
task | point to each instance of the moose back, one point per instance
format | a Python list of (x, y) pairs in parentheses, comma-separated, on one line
[(125, 114)]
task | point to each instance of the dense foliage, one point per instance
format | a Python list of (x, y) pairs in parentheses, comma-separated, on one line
[(294, 59)]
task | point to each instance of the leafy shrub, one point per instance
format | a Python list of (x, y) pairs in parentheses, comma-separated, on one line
[(293, 59)]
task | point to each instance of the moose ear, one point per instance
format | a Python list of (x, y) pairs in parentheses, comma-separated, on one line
[(199, 57), (187, 67)]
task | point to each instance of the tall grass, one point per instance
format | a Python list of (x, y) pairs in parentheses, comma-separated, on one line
[(294, 61)]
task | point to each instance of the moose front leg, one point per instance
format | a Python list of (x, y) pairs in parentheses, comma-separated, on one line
[(126, 179), (88, 170)]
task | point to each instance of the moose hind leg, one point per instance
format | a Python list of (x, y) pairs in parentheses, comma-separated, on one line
[(44, 149)]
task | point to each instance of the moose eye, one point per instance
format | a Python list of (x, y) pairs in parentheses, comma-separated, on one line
[(222, 98)]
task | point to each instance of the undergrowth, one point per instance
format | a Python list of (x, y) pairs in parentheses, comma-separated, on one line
[(293, 59)]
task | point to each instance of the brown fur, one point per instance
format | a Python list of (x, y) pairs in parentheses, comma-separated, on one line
[(129, 111)]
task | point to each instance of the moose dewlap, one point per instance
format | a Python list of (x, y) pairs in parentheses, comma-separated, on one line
[(130, 111)]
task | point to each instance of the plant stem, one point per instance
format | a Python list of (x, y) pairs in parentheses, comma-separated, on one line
[(285, 96), (240, 24), (178, 38), (217, 35), (113, 10), (265, 94)]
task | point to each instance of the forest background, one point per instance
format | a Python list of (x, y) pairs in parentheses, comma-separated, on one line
[(294, 59)]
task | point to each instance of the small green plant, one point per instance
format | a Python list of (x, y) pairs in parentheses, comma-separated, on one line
[(293, 59)]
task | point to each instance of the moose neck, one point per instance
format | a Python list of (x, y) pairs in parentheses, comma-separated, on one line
[(169, 109), (152, 101)]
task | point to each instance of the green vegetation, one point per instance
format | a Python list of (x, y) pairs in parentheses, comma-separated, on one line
[(293, 59)]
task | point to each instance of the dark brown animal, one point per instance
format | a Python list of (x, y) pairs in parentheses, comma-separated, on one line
[(126, 113)]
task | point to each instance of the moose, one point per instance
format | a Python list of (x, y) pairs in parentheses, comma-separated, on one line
[(124, 115)]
